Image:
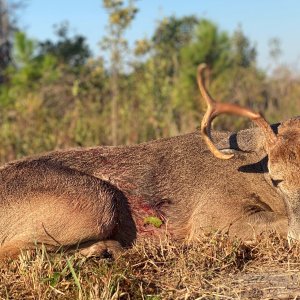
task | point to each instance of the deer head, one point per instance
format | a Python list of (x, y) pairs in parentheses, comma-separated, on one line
[(283, 150)]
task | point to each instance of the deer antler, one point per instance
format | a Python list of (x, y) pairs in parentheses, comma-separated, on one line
[(216, 108)]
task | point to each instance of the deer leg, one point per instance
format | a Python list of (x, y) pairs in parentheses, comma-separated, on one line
[(10, 251), (65, 208), (103, 249)]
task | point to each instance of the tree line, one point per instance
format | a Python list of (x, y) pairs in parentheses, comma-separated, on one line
[(56, 94)]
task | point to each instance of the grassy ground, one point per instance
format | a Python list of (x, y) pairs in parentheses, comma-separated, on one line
[(212, 268)]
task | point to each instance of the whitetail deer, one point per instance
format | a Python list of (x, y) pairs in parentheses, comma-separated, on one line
[(104, 198)]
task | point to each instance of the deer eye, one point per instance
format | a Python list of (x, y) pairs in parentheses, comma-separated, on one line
[(276, 182)]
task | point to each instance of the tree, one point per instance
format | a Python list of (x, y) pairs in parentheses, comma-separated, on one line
[(120, 18), (157, 75), (5, 38), (8, 27), (171, 35), (29, 66), (275, 49), (209, 45), (243, 53), (5, 45), (72, 51)]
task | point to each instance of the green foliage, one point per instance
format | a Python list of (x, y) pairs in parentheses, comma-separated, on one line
[(243, 53), (30, 67), (173, 33), (120, 16), (24, 48), (72, 51), (209, 45)]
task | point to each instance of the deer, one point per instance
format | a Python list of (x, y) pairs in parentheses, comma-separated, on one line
[(103, 199)]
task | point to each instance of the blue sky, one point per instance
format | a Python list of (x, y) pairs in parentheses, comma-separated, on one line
[(261, 20)]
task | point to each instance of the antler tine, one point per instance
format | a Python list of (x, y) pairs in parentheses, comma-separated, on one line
[(209, 115), (216, 108), (201, 84)]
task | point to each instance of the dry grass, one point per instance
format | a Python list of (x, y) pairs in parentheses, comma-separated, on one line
[(212, 268)]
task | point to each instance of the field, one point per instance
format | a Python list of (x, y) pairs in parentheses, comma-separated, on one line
[(214, 267)]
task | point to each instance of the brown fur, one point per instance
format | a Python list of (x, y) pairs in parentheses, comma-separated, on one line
[(284, 169), (89, 198)]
